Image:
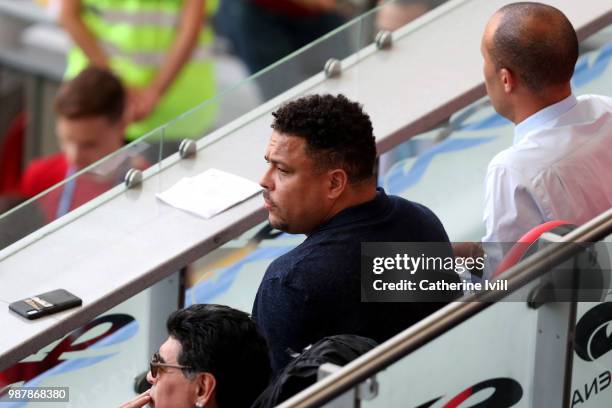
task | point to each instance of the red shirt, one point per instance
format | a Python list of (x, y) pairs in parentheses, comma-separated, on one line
[(44, 173)]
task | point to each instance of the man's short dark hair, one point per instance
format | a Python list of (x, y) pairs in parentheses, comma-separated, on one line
[(537, 42), (93, 92), (226, 343), (338, 133)]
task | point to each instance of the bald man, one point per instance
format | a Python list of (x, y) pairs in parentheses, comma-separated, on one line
[(559, 165)]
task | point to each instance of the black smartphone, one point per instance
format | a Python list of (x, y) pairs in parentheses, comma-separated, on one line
[(45, 304)]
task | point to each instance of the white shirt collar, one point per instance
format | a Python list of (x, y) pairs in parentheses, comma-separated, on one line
[(543, 116)]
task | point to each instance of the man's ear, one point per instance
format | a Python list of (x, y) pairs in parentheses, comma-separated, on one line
[(508, 80), (205, 390), (338, 179)]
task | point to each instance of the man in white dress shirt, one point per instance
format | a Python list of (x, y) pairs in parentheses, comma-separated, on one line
[(560, 164)]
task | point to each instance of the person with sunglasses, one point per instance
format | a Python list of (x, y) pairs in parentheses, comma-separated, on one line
[(211, 350)]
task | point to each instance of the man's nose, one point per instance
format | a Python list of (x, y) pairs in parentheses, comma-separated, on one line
[(266, 179), (150, 378)]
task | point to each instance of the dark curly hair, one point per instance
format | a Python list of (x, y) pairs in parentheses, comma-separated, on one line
[(226, 343), (338, 133)]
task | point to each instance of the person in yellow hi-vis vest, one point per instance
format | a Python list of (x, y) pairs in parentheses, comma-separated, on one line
[(161, 49)]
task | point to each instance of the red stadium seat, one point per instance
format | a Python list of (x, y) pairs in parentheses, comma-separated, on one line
[(518, 250)]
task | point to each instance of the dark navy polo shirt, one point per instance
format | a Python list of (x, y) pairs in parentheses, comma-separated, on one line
[(314, 290)]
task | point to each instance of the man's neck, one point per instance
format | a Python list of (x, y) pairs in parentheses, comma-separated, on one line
[(533, 103), (355, 194)]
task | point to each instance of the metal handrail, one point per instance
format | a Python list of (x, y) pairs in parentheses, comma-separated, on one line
[(449, 317)]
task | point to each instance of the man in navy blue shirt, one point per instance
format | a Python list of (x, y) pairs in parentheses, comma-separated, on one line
[(320, 182)]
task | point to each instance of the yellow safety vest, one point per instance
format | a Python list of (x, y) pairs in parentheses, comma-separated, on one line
[(136, 35)]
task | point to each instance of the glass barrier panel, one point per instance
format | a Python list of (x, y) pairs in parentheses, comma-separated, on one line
[(80, 187), (296, 73), (80, 190), (346, 41), (291, 71), (309, 61)]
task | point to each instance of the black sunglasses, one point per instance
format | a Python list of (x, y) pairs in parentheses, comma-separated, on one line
[(157, 365)]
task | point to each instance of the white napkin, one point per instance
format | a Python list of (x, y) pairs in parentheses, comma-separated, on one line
[(209, 193)]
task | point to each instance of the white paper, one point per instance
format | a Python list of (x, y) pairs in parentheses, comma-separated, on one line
[(209, 193)]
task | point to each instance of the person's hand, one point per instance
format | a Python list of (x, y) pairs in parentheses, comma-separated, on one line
[(467, 249), (140, 401), (471, 250), (141, 102)]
